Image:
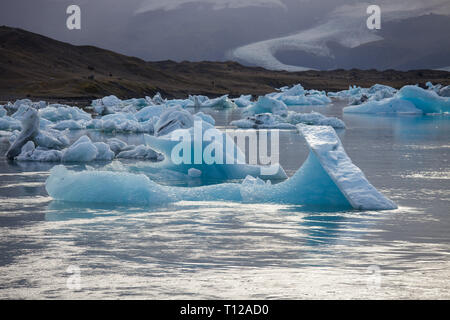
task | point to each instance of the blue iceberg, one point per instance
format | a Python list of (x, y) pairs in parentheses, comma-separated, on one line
[(328, 177)]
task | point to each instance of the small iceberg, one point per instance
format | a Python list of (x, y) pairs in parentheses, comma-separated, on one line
[(328, 177), (270, 121)]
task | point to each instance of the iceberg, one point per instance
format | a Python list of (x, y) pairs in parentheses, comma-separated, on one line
[(327, 178), (425, 100), (2, 112), (59, 112), (297, 95), (230, 161), (266, 104), (358, 95), (9, 124), (221, 103), (262, 121), (30, 129), (409, 99), (243, 101), (390, 105), (445, 91), (269, 121), (172, 119), (314, 118), (121, 122), (31, 153), (82, 150)]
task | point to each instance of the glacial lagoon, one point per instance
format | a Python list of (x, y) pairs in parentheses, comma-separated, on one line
[(228, 250)]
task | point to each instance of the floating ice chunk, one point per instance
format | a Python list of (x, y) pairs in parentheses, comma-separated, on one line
[(326, 146), (345, 94), (172, 119), (104, 187), (157, 99), (149, 112), (297, 95), (58, 112), (141, 152), (266, 104), (263, 121), (327, 178), (445, 91), (269, 121), (30, 153), (2, 112), (409, 99), (30, 129), (121, 122), (314, 118), (243, 101), (205, 117), (104, 152), (9, 124), (358, 95), (436, 88), (116, 145), (21, 110), (296, 90), (52, 139), (425, 100), (390, 105), (228, 162), (83, 150), (20, 102), (110, 101), (306, 100), (222, 102)]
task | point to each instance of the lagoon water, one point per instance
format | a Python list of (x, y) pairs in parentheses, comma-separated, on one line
[(202, 250)]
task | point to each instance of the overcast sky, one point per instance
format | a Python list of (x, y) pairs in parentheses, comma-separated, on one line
[(191, 29)]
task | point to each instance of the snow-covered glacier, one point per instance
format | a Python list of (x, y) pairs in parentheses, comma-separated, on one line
[(327, 178)]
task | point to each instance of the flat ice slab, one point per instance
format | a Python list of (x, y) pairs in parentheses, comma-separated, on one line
[(351, 181)]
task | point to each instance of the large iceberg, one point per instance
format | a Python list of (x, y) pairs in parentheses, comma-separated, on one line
[(228, 161), (425, 100), (327, 178)]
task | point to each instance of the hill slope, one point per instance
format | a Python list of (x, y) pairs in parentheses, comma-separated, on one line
[(39, 67)]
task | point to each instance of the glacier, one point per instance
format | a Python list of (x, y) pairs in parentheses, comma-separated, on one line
[(328, 178)]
